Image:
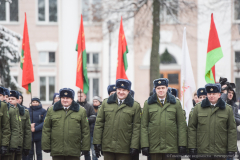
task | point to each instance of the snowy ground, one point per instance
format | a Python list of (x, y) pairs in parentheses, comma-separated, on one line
[(46, 156)]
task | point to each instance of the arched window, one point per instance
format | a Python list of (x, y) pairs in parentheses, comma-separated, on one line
[(167, 58)]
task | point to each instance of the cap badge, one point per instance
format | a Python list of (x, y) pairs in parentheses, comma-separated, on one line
[(122, 85), (211, 89), (114, 87), (201, 91), (159, 82), (10, 92), (66, 93)]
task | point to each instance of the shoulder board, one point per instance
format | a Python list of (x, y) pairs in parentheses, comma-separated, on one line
[(3, 102), (137, 102), (26, 110), (229, 105)]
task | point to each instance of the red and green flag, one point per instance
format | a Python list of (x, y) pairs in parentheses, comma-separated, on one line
[(26, 60), (122, 63), (214, 53), (81, 77)]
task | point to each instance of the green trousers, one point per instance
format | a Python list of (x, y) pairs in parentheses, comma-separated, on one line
[(65, 158), (16, 156), (116, 156), (160, 156)]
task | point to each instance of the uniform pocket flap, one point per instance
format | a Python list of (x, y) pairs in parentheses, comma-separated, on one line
[(202, 114), (171, 110), (56, 116), (128, 111), (153, 110), (223, 115), (108, 109)]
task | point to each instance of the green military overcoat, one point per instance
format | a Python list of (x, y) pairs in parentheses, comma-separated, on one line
[(163, 128), (117, 128), (212, 129), (66, 134)]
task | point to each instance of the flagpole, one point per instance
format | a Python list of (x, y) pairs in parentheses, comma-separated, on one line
[(31, 127), (183, 93)]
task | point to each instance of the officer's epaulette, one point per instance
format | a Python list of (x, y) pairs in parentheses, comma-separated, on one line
[(229, 105), (3, 101), (137, 102)]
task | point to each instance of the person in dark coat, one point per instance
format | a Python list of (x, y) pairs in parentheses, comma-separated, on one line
[(37, 116), (90, 113), (56, 98), (111, 89)]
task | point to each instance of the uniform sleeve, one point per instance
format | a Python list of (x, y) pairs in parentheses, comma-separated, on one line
[(232, 132), (14, 128), (5, 126), (99, 125), (136, 128), (40, 125), (144, 126), (85, 135), (181, 125), (46, 131), (236, 115), (192, 129), (27, 136)]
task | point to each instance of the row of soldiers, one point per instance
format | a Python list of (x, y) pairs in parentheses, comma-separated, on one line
[(160, 130), (15, 130)]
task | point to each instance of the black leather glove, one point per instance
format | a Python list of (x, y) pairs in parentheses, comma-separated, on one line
[(26, 152), (182, 150), (192, 153), (4, 150), (134, 151), (230, 154), (98, 149), (12, 149), (18, 149), (47, 151), (145, 151), (84, 153)]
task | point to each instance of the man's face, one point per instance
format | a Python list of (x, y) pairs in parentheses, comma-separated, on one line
[(6, 98), (66, 101), (161, 91), (56, 99), (112, 93), (122, 93), (13, 101), (96, 103), (35, 103), (81, 97), (201, 98), (20, 100), (195, 98), (1, 97), (213, 97), (230, 95)]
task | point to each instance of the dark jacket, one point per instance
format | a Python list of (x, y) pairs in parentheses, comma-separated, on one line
[(93, 124), (37, 116), (89, 110), (234, 107)]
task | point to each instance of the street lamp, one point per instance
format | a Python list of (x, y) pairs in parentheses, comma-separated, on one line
[(110, 25)]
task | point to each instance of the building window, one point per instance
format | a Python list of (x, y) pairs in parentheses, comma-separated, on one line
[(237, 56), (92, 58), (46, 58), (236, 10), (91, 10), (93, 88), (47, 88), (15, 78), (169, 11), (47, 11), (8, 11)]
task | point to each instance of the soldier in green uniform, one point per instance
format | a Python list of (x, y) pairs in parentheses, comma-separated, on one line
[(212, 131), (117, 128), (5, 125), (14, 127), (66, 129), (163, 125), (24, 141)]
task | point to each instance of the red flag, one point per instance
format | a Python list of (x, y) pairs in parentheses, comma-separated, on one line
[(26, 60), (122, 63), (81, 77)]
